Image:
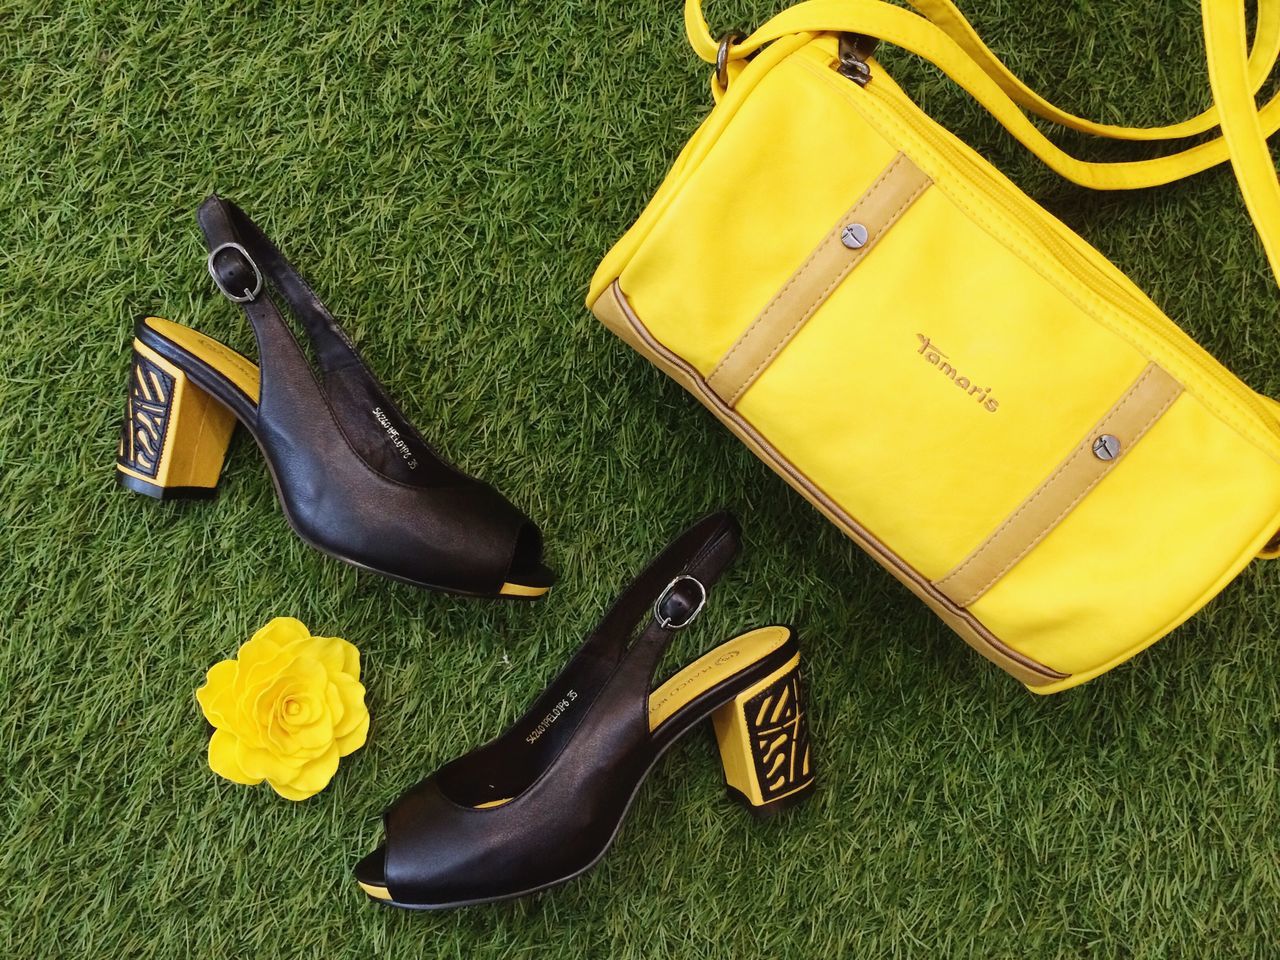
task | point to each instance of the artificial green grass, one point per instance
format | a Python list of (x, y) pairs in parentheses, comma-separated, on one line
[(449, 174)]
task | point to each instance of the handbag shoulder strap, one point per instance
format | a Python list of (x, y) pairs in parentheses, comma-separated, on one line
[(1242, 128), (940, 34)]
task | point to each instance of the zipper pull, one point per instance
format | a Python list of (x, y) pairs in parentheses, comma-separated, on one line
[(855, 48)]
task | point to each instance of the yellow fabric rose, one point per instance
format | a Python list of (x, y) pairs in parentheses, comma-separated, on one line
[(285, 709)]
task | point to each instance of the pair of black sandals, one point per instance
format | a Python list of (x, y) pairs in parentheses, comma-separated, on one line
[(541, 803)]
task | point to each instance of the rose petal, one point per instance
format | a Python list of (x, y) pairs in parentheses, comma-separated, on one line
[(340, 657), (355, 739), (266, 643), (313, 777), (333, 702), (268, 714), (354, 711), (299, 710), (252, 684), (262, 671), (305, 742), (215, 697), (258, 654), (304, 679), (350, 659), (244, 717), (284, 790), (264, 764), (282, 631), (223, 759), (299, 676), (324, 650)]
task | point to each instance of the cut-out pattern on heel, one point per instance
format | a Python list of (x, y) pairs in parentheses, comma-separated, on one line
[(146, 418), (763, 736), (779, 732), (174, 438)]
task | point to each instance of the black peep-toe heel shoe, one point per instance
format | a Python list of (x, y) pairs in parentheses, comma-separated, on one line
[(355, 479), (542, 803)]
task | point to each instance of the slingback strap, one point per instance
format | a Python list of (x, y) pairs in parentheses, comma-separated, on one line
[(241, 257), (625, 649), (673, 589), (694, 562), (1242, 126), (940, 34)]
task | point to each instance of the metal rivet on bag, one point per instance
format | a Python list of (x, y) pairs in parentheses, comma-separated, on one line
[(1106, 447), (854, 236)]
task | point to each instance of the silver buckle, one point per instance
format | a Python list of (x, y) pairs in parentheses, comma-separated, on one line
[(248, 294), (667, 624)]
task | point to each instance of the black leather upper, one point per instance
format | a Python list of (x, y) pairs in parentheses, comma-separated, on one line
[(354, 476), (570, 765)]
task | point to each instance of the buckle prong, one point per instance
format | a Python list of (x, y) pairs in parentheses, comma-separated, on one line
[(666, 622), (248, 295)]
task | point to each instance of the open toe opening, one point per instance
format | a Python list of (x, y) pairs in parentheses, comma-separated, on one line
[(371, 874), (528, 576)]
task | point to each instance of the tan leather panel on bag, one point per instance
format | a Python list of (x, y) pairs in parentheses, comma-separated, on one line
[(1094, 457), (808, 288)]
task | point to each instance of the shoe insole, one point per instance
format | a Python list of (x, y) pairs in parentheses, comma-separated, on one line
[(712, 668), (236, 367), (676, 691)]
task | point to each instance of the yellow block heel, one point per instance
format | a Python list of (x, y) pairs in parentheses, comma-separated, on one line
[(763, 736), (174, 437)]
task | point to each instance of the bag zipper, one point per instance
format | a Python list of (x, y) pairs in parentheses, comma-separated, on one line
[(854, 51)]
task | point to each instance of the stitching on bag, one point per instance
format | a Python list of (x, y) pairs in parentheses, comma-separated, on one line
[(974, 208), (836, 281), (1049, 527), (1047, 483), (830, 235)]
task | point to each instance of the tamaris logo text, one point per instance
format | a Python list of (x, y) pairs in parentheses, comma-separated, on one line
[(933, 355)]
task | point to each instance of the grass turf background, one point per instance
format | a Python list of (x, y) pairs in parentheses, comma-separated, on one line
[(448, 174)]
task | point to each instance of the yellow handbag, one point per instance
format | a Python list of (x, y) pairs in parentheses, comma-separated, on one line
[(963, 385)]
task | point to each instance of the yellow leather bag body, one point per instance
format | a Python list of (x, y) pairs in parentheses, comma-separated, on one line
[(963, 385)]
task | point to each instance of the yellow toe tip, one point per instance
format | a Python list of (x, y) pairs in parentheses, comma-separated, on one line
[(522, 590), (378, 893)]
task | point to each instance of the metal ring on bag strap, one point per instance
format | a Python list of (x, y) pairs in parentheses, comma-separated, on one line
[(722, 57)]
